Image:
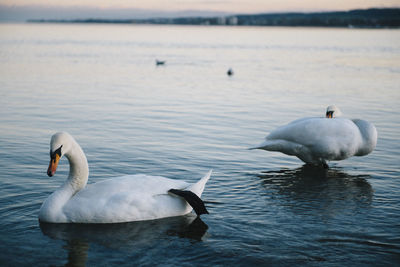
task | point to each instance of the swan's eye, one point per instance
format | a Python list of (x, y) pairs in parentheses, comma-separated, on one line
[(57, 152)]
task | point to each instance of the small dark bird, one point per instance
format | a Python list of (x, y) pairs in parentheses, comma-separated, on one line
[(230, 72), (159, 62)]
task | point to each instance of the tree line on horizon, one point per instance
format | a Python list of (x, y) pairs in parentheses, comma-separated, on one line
[(368, 18)]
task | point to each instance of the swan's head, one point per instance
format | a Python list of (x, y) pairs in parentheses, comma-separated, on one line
[(333, 111), (59, 145)]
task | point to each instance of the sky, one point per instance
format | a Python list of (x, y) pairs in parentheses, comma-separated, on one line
[(148, 8)]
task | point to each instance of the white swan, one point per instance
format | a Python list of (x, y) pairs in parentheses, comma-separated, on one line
[(122, 199), (317, 140)]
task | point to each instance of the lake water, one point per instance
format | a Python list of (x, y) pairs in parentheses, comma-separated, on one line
[(100, 83)]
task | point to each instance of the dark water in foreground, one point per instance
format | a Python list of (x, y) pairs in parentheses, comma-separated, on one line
[(100, 83)]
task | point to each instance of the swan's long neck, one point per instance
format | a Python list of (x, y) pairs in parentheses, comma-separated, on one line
[(51, 210), (78, 168)]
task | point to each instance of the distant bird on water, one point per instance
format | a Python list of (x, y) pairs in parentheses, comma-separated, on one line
[(316, 140), (230, 72), (160, 62)]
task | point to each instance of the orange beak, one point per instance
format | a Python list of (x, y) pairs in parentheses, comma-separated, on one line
[(53, 165)]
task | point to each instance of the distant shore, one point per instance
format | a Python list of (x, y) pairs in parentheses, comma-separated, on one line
[(368, 18)]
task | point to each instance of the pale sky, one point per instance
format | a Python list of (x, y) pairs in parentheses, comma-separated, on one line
[(232, 6)]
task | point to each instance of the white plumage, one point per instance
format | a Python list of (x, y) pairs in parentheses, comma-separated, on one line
[(121, 199), (317, 140)]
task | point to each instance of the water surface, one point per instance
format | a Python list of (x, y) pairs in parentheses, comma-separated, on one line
[(100, 83)]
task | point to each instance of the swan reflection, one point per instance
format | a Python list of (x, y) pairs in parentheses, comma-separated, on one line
[(318, 191), (129, 236)]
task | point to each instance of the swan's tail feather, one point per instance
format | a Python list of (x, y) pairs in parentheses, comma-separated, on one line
[(198, 187), (193, 193), (263, 145), (194, 201)]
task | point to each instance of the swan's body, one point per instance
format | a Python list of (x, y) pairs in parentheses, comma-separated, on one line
[(122, 199), (317, 140)]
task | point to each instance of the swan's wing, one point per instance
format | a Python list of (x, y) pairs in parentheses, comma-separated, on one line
[(330, 139), (127, 198)]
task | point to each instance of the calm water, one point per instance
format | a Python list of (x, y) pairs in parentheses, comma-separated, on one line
[(100, 83)]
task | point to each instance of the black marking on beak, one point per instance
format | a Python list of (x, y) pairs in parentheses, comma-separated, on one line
[(329, 114), (56, 152)]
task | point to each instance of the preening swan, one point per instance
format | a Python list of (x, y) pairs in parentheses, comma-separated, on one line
[(122, 199), (317, 140)]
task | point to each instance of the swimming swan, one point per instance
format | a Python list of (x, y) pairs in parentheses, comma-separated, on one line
[(317, 140), (122, 199)]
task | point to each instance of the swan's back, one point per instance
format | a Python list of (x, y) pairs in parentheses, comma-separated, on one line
[(327, 138)]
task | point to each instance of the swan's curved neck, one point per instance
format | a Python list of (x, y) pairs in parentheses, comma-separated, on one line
[(78, 168), (77, 179)]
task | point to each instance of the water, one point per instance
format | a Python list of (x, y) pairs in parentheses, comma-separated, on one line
[(100, 83)]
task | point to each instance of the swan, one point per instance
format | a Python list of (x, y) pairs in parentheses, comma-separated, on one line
[(317, 140), (121, 199)]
